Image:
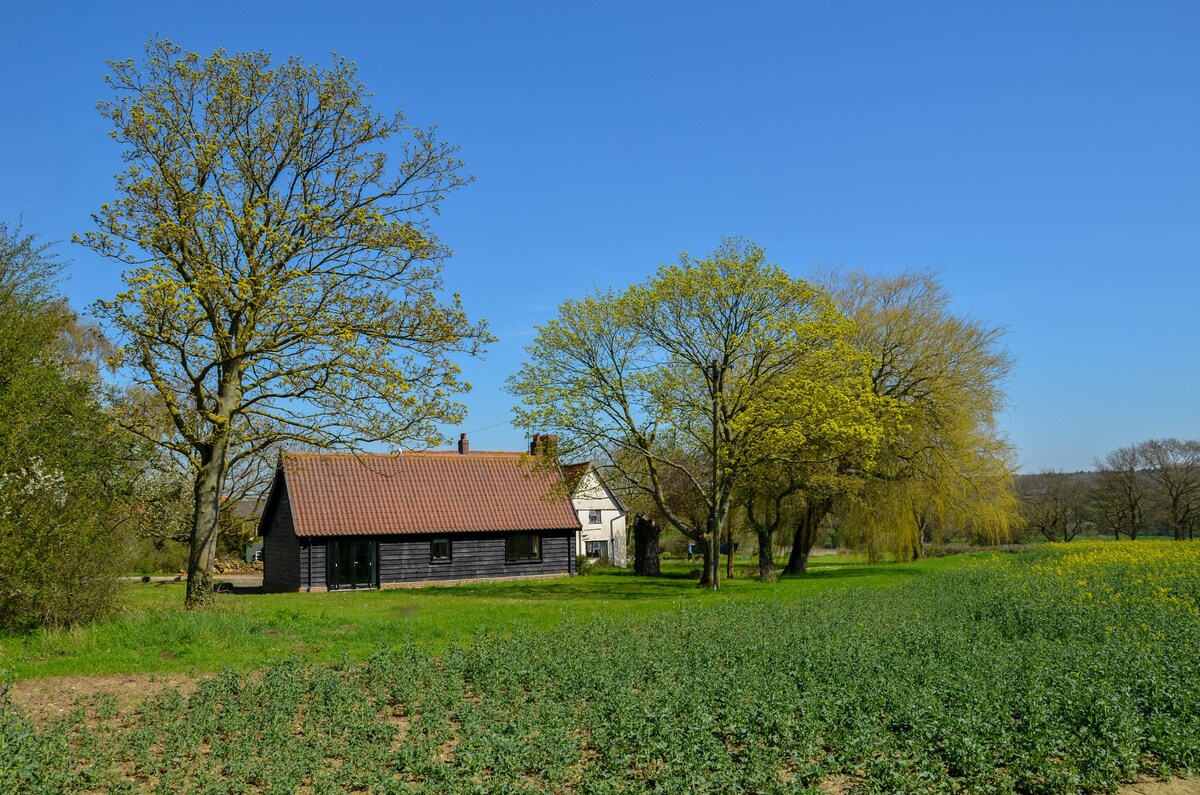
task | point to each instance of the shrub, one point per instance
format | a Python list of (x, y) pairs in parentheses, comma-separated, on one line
[(62, 464)]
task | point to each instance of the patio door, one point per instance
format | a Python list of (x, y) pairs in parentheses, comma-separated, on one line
[(351, 564)]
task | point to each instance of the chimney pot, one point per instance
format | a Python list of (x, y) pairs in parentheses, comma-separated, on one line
[(464, 446), (536, 445)]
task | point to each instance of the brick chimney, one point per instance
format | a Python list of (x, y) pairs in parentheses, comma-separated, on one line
[(544, 444), (464, 446)]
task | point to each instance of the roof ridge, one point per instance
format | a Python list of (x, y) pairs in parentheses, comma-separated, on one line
[(446, 453)]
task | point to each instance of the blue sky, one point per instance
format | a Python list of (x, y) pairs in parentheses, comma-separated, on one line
[(1044, 157)]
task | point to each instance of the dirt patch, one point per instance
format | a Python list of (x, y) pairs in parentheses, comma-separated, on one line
[(45, 699), (1150, 786), (840, 785)]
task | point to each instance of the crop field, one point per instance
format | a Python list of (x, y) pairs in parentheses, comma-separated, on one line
[(1067, 669)]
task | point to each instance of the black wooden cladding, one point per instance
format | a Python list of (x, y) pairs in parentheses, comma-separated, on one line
[(291, 563), (282, 559), (405, 559)]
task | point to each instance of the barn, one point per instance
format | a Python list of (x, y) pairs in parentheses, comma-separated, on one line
[(342, 521)]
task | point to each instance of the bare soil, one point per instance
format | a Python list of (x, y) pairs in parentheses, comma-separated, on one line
[(45, 699)]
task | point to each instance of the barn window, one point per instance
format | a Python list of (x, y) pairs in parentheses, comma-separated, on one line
[(522, 547), (439, 550)]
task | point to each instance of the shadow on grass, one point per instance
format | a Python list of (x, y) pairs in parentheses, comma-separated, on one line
[(678, 580), (853, 572)]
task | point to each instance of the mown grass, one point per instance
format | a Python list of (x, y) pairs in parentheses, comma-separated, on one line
[(1064, 670), (155, 634)]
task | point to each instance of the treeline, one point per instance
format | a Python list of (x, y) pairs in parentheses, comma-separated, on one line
[(82, 500), (1152, 487)]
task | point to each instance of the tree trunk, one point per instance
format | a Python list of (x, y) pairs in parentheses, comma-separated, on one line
[(815, 512), (798, 559), (706, 549), (729, 553), (766, 557), (646, 534), (203, 542)]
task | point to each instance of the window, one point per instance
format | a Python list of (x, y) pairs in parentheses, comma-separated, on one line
[(522, 547), (597, 549), (593, 517), (439, 550)]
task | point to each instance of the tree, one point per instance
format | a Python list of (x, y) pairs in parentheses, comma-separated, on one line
[(822, 445), (282, 284), (1173, 469), (1122, 494), (686, 376), (64, 468), (945, 461), (646, 534), (1055, 504)]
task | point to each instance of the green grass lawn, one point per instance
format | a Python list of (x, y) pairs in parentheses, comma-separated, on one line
[(155, 634)]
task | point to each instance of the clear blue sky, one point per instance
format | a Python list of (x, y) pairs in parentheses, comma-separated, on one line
[(1044, 157)]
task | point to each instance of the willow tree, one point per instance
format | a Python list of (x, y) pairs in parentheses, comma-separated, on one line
[(946, 462), (668, 382), (282, 283)]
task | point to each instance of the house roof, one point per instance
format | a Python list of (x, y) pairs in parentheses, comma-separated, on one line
[(430, 492), (573, 474)]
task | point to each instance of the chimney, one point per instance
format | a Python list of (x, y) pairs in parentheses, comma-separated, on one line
[(544, 444), (464, 446)]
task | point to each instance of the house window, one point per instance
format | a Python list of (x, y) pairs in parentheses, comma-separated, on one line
[(593, 517), (439, 550), (597, 549), (522, 547)]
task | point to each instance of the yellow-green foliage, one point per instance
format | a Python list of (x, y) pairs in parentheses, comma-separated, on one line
[(945, 467), (282, 284), (628, 379)]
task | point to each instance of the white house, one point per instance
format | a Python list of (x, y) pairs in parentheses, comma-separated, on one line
[(600, 513)]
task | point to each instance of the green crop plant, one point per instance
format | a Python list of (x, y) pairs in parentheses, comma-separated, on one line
[(1068, 669)]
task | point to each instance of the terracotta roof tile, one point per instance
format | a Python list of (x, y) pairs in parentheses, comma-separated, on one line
[(431, 492)]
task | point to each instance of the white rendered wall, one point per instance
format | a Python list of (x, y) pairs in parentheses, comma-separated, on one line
[(591, 495)]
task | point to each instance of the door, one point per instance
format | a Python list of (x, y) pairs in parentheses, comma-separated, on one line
[(351, 564)]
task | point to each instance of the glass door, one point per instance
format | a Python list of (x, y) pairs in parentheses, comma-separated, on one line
[(351, 564)]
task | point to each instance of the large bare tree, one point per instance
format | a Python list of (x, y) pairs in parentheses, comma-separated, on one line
[(1055, 504), (1124, 501), (1173, 468)]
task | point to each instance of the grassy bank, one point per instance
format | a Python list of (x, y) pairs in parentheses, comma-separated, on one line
[(155, 634), (1062, 670)]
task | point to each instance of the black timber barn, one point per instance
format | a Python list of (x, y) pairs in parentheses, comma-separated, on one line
[(349, 521)]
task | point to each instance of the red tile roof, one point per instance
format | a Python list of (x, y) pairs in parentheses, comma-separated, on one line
[(431, 492)]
